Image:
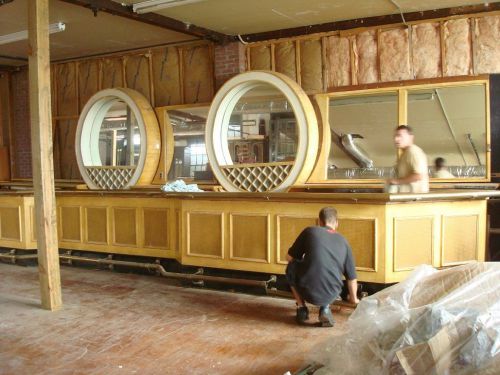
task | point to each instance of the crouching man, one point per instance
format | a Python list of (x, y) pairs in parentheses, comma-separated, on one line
[(316, 262)]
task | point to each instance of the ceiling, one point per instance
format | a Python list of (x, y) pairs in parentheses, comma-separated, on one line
[(86, 35), (246, 17)]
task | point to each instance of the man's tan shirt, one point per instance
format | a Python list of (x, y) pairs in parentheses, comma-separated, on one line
[(413, 160)]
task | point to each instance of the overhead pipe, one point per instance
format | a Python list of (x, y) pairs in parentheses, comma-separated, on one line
[(354, 150)]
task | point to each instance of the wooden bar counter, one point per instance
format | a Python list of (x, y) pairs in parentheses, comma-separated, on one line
[(390, 233)]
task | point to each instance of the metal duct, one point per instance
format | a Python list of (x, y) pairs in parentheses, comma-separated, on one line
[(348, 142)]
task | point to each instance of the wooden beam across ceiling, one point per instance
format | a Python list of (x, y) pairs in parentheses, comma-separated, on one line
[(118, 9), (396, 18)]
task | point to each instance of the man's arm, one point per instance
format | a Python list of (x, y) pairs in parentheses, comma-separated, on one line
[(352, 286), (296, 252)]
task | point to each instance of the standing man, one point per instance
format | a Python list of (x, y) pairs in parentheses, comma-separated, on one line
[(316, 262), (412, 170)]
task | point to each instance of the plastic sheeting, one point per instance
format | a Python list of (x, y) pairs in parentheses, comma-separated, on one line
[(394, 55), (434, 322), (388, 172), (457, 46), (338, 61), (426, 50), (487, 50), (366, 57)]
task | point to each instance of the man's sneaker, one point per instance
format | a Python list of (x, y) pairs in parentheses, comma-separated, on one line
[(302, 314), (326, 317)]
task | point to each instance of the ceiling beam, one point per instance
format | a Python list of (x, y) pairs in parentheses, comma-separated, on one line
[(371, 22), (155, 19), (3, 2)]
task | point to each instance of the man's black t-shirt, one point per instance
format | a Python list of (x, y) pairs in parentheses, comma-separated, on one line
[(323, 256)]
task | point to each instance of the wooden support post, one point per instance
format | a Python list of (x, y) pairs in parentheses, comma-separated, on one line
[(41, 147)]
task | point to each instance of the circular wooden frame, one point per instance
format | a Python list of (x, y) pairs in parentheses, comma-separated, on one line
[(217, 126), (87, 139)]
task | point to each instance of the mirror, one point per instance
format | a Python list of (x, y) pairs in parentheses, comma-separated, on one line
[(262, 128), (119, 136), (456, 118), (449, 122), (190, 156), (117, 133), (362, 129)]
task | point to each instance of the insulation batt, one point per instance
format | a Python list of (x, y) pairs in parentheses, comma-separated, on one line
[(487, 46), (311, 65), (365, 52), (285, 59), (457, 46), (260, 58), (394, 55), (434, 322), (426, 50), (338, 60)]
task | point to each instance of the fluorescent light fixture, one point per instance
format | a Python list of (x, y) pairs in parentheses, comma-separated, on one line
[(22, 35), (153, 5)]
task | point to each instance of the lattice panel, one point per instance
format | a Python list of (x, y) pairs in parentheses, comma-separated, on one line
[(258, 177), (110, 178)]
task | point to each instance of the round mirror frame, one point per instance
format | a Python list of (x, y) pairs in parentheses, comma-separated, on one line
[(87, 132), (276, 177)]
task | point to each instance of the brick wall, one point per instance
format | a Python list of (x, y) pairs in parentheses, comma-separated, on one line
[(229, 61), (21, 135)]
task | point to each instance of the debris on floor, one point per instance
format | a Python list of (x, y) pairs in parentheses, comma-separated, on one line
[(435, 322)]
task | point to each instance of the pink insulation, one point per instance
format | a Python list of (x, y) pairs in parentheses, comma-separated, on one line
[(426, 50), (394, 55), (487, 45), (365, 52), (338, 61), (457, 48)]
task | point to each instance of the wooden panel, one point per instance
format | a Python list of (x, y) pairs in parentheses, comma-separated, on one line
[(70, 224), (460, 239), (249, 237), (289, 227), (112, 73), (10, 223), (156, 227), (166, 76), (124, 226), (260, 57), (198, 73), (285, 59), (361, 235), (67, 102), (65, 164), (413, 242), (97, 225), (137, 74), (205, 234), (311, 68), (88, 80)]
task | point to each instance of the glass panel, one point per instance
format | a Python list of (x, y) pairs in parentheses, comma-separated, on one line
[(450, 123), (362, 131), (119, 136), (262, 128), (190, 156)]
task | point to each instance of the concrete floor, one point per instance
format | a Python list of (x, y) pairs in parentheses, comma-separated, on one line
[(115, 323)]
